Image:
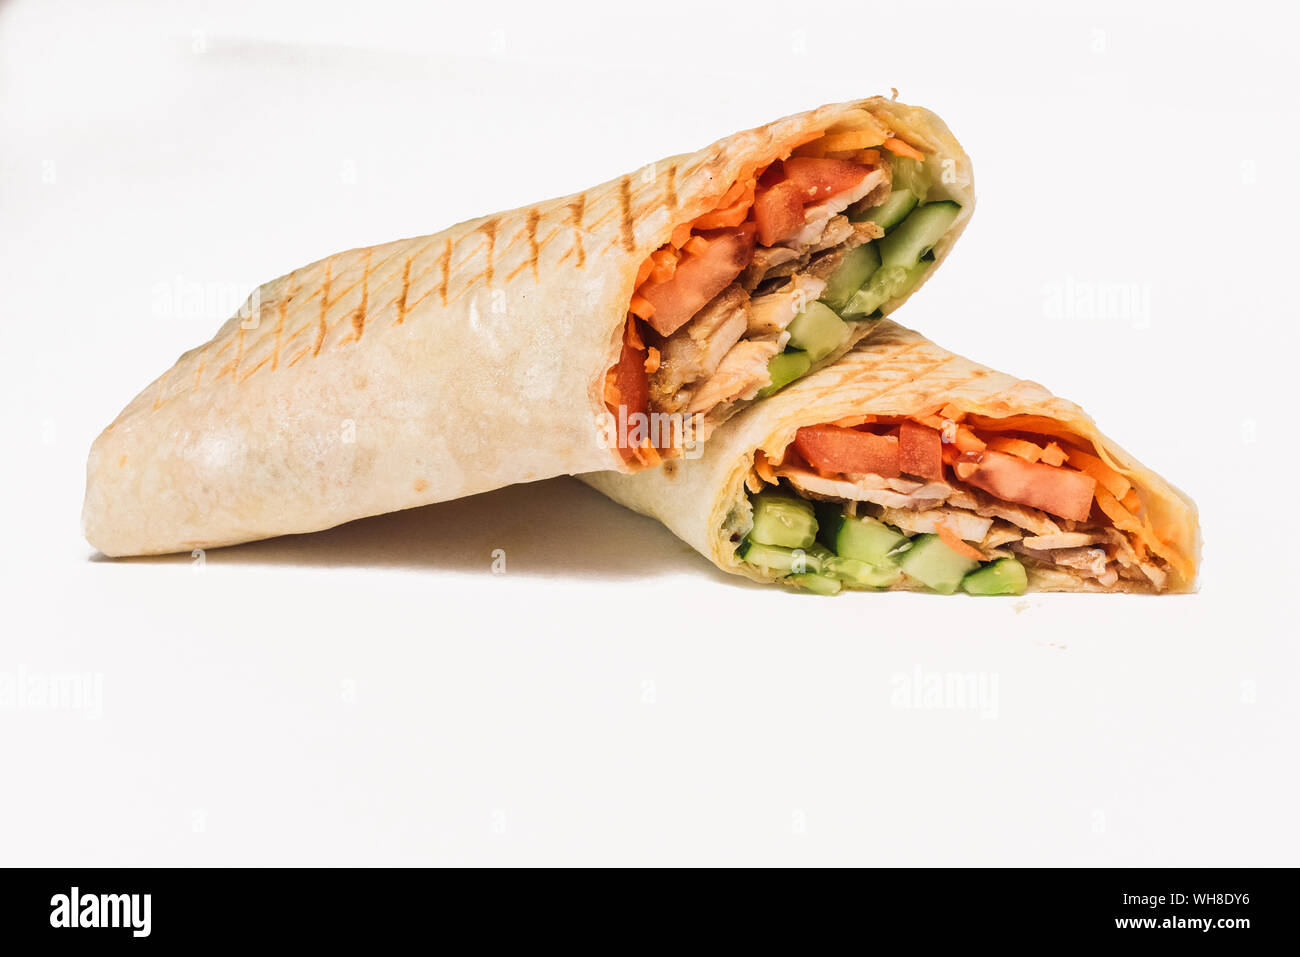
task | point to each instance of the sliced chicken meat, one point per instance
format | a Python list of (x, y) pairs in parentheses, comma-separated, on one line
[(766, 258), (699, 347), (1092, 561), (964, 525), (1044, 543), (742, 372), (771, 313), (866, 488)]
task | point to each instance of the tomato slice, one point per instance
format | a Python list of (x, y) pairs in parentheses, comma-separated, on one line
[(700, 277), (1062, 492), (778, 212), (831, 448), (920, 450), (631, 380), (818, 178)]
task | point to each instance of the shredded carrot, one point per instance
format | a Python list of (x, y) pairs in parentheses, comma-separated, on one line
[(964, 470), (733, 208), (813, 149), (612, 396), (952, 412), (641, 306), (951, 539), (953, 434), (1115, 483), (1053, 454), (696, 246), (901, 148), (644, 272), (1132, 501), (1124, 520), (649, 454), (634, 335), (681, 233), (1020, 447), (763, 468), (737, 190), (853, 140), (665, 264), (652, 361), (807, 138), (967, 441)]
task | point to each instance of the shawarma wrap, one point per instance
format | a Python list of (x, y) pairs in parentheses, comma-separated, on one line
[(611, 329), (904, 466)]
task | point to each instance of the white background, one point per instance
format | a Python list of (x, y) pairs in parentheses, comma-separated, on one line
[(374, 694)]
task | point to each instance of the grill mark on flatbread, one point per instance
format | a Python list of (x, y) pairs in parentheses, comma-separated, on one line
[(633, 203), (595, 225), (444, 263), (281, 309), (489, 229), (324, 305), (239, 352), (484, 274), (893, 356), (626, 224), (254, 368), (406, 288), (162, 389), (359, 317), (576, 209), (198, 373), (534, 250)]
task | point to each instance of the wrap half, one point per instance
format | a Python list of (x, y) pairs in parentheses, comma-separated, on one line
[(610, 329), (904, 466)]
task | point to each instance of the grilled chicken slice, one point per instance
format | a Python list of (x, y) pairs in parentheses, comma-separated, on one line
[(964, 525), (742, 372), (766, 258), (697, 349), (862, 488), (1045, 543), (771, 313)]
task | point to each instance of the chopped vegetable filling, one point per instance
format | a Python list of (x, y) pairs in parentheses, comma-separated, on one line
[(947, 504), (728, 309)]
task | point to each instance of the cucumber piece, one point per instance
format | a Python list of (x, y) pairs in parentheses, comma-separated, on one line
[(867, 540), (854, 270), (773, 558), (815, 557), (935, 565), (888, 214), (859, 574), (912, 175), (818, 331), (1006, 576), (817, 584), (784, 369), (886, 283), (783, 520), (914, 236), (783, 561)]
